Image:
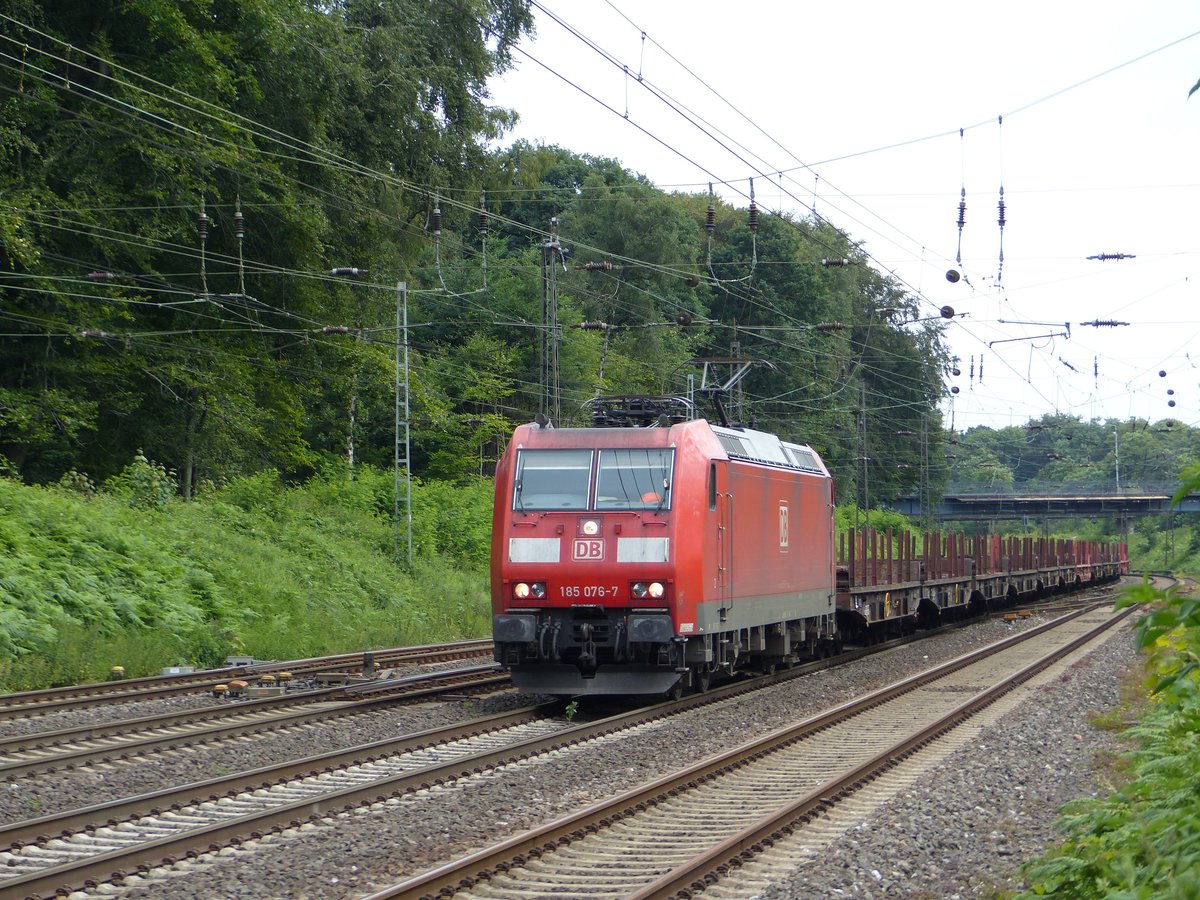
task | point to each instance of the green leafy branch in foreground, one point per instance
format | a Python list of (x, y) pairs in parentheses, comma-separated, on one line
[(1144, 840)]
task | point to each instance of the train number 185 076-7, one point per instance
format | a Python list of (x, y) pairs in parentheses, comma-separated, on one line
[(588, 591)]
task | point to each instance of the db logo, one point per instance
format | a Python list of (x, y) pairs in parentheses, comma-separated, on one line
[(588, 548)]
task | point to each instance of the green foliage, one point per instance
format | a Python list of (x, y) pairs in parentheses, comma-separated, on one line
[(848, 515), (454, 521), (96, 563), (1058, 450), (143, 484), (122, 120), (1144, 840), (92, 580)]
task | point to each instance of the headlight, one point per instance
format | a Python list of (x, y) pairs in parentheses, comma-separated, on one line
[(538, 589), (656, 589), (639, 589), (590, 527), (521, 590)]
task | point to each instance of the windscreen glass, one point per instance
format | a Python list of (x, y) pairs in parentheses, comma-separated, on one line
[(634, 479), (552, 479)]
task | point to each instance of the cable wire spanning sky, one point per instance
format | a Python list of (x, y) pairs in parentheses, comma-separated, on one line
[(878, 116)]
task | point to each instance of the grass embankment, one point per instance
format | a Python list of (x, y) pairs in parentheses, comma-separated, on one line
[(129, 575)]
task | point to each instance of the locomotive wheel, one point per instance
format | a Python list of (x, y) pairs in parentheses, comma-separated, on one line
[(701, 679), (675, 692)]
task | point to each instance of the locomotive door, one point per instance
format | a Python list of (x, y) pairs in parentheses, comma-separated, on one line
[(721, 502)]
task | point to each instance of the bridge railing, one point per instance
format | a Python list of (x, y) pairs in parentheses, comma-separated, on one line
[(1059, 489)]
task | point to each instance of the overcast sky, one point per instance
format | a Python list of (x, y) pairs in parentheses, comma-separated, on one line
[(856, 109)]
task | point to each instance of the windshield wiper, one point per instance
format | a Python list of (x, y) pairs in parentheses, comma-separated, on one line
[(665, 493)]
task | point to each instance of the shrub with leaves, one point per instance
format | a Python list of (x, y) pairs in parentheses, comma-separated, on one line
[(144, 484), (1144, 840)]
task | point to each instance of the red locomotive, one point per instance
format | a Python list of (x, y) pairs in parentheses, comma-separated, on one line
[(642, 560)]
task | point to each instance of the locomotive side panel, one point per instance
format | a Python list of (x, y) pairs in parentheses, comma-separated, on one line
[(772, 537)]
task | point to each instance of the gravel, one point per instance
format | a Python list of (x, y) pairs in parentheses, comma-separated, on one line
[(962, 832), (966, 829)]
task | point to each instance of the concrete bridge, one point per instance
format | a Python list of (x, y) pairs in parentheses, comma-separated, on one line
[(965, 502)]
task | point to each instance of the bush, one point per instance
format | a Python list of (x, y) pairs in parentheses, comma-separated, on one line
[(130, 578), (145, 485), (1144, 840)]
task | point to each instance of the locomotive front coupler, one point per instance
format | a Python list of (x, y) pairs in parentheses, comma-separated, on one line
[(587, 658), (548, 630), (621, 652)]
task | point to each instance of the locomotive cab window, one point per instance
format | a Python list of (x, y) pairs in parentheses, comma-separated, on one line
[(552, 479), (634, 479)]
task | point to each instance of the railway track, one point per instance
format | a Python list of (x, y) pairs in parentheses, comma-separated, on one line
[(36, 703), (128, 836), (47, 751), (677, 835)]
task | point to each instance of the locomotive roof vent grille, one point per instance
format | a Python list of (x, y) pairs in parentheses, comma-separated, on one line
[(769, 450), (803, 457), (734, 446)]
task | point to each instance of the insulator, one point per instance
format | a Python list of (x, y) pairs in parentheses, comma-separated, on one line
[(962, 214), (435, 221), (347, 272), (593, 326), (239, 223), (336, 329), (829, 326), (1000, 206), (601, 266), (753, 216), (483, 214), (710, 220), (94, 333), (202, 223), (835, 263), (102, 276)]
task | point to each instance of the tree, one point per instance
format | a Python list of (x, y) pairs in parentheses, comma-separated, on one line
[(205, 160)]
